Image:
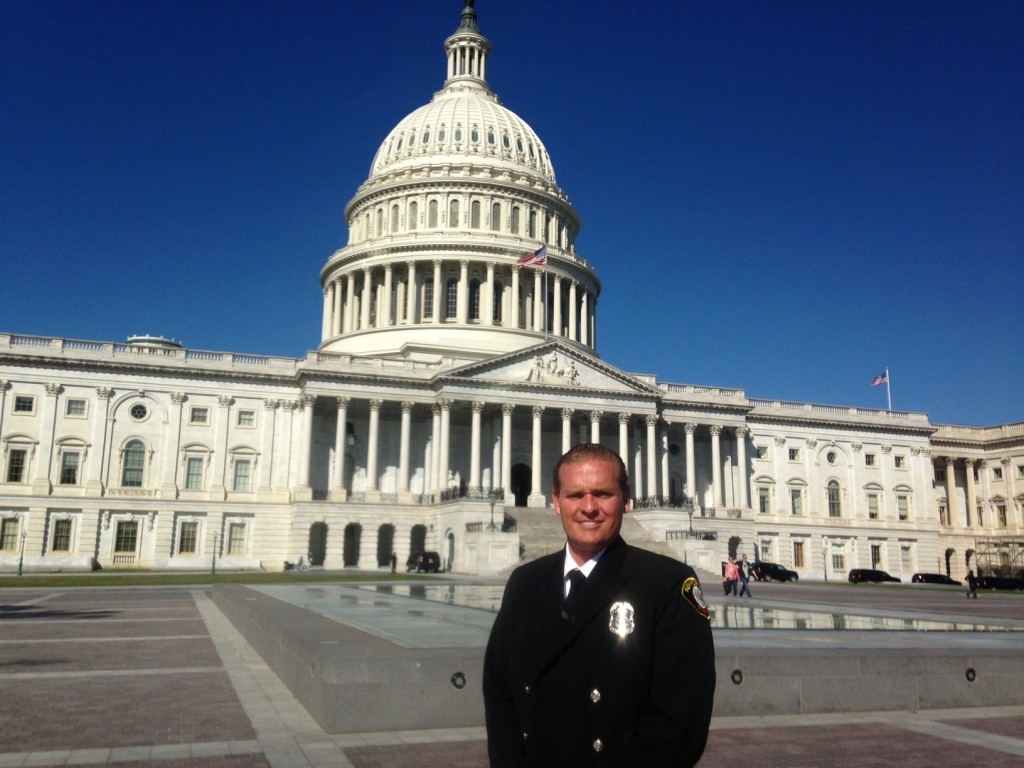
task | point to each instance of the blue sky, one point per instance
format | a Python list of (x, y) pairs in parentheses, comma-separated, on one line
[(784, 197)]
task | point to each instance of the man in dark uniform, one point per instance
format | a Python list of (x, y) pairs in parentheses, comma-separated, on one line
[(601, 654)]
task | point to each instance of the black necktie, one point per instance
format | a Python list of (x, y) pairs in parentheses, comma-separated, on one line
[(572, 600)]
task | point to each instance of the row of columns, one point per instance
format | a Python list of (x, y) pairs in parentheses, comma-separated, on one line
[(953, 499), (347, 307), (650, 465)]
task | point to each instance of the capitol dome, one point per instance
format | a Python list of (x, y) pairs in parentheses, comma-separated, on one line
[(459, 193)]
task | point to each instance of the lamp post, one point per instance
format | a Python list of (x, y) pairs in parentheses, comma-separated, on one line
[(824, 557), (213, 560), (21, 558), (492, 497)]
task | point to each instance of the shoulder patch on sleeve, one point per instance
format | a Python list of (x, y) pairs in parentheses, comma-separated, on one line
[(692, 594)]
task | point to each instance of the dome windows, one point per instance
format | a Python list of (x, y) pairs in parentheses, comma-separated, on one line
[(519, 145), (505, 141), (474, 135), (458, 133), (426, 135), (490, 136), (441, 133)]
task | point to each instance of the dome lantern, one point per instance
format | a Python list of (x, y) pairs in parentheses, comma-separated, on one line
[(467, 50)]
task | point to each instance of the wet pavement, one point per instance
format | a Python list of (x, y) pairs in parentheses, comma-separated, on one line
[(158, 677)]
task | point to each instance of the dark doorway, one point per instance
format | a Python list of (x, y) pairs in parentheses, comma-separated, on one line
[(734, 545), (317, 543), (418, 538), (353, 533), (522, 482), (449, 551), (385, 544)]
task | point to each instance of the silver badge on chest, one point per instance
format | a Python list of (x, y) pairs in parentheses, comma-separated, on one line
[(620, 619)]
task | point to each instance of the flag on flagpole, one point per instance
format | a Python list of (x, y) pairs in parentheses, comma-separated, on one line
[(538, 258), (882, 378)]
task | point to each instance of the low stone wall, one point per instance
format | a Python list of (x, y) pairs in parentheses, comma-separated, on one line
[(353, 682)]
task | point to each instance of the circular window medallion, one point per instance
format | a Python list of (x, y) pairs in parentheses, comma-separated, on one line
[(138, 412), (831, 458)]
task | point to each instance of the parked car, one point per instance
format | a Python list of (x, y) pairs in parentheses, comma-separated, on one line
[(773, 572), (1000, 582), (933, 578), (859, 575), (423, 562)]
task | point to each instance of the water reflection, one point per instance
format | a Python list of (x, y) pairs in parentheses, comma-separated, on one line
[(488, 598)]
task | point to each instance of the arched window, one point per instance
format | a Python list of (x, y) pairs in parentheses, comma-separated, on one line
[(394, 217), (474, 135), (432, 214), (452, 298), (474, 214), (495, 217), (458, 133), (474, 299), (428, 297), (426, 135), (453, 213), (133, 463), (531, 225), (414, 212), (490, 136), (515, 219), (499, 294), (441, 134), (504, 141), (380, 222), (547, 227), (835, 508)]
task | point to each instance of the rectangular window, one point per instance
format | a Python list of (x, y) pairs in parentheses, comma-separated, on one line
[(796, 500), (766, 550), (906, 557), (943, 515), (236, 539), (876, 555), (126, 536), (194, 473), (187, 536), (246, 418), (24, 404), (903, 506), (838, 561), (873, 506), (199, 415), (9, 534), (74, 407), (981, 517), (997, 473), (869, 459), (1001, 515), (69, 468), (901, 462), (763, 501), (762, 451), (242, 472), (1020, 470), (794, 454), (16, 465), (61, 535), (798, 554)]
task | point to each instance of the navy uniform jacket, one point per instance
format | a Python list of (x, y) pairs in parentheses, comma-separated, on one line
[(566, 694)]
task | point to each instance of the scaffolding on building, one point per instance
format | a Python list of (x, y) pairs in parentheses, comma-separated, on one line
[(996, 556)]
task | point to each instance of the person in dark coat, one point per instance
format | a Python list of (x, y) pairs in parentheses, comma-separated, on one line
[(616, 672)]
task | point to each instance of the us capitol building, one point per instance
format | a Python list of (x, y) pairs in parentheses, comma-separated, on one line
[(453, 369)]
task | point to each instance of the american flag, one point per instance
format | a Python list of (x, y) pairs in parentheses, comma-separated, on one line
[(538, 258), (882, 378)]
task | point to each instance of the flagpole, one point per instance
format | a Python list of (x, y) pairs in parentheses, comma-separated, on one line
[(888, 391), (547, 299)]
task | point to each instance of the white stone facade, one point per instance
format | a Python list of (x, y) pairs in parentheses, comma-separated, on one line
[(448, 372)]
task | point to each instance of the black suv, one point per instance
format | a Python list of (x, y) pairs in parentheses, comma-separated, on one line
[(933, 578), (859, 575), (423, 562), (773, 572)]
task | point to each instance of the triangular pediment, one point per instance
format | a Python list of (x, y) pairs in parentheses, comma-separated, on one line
[(552, 365)]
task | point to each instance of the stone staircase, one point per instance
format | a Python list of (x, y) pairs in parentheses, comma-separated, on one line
[(540, 533)]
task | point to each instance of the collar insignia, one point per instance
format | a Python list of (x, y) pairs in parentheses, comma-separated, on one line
[(693, 595)]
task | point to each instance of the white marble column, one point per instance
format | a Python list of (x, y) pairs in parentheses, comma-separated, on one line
[(716, 465), (350, 301), (444, 454), (439, 294), (487, 297), (638, 463), (412, 293), (741, 459), (462, 297), (652, 462), (624, 437), (556, 297), (47, 419), (584, 314), (101, 413), (477, 407), (663, 450), (268, 432), (536, 496), (538, 302), (326, 323), (506, 451), (372, 443), (364, 308), (567, 429), (595, 426), (691, 465), (403, 452), (384, 307), (338, 490), (339, 303), (971, 492), (573, 310), (434, 475), (952, 506), (512, 316)]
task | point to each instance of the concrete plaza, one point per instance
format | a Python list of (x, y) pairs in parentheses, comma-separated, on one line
[(159, 676)]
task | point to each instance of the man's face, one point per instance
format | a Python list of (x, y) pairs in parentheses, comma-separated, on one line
[(591, 506)]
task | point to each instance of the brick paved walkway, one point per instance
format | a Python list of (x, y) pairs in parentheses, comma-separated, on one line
[(158, 677)]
